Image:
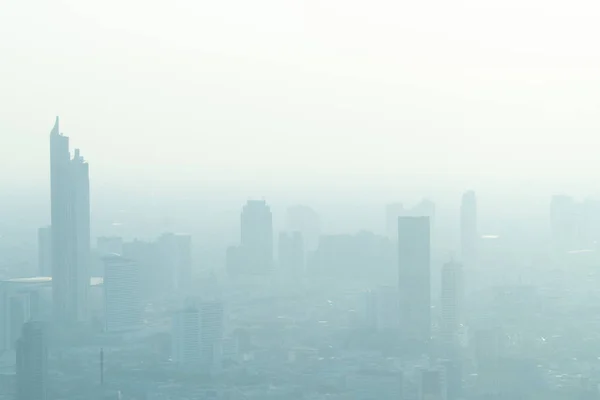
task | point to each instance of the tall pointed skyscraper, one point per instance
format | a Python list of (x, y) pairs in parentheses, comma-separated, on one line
[(70, 221), (469, 236)]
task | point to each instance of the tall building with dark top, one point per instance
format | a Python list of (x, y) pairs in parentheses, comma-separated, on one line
[(414, 280), (32, 363), (469, 236), (70, 218), (257, 237)]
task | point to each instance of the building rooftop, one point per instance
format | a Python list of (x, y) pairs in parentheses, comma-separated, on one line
[(94, 280)]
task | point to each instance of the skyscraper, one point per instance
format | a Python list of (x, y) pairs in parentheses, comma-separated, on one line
[(425, 208), (122, 299), (45, 251), (451, 301), (198, 332), (257, 237), (469, 236), (306, 221), (414, 280), (70, 217), (176, 257), (32, 363)]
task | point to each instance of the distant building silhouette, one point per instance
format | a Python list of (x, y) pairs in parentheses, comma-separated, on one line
[(198, 332), (425, 208), (305, 220), (414, 280), (451, 303), (45, 251), (291, 254), (32, 363), (360, 255), (176, 258), (70, 216), (155, 277), (256, 239), (122, 300), (186, 336), (469, 236)]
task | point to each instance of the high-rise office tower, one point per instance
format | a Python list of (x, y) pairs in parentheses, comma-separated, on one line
[(198, 332), (451, 302), (305, 220), (291, 254), (45, 251), (414, 280), (122, 299), (469, 236), (425, 208), (70, 217), (211, 335), (257, 237), (186, 336), (32, 363), (176, 257)]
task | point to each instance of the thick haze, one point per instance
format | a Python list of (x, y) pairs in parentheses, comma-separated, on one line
[(269, 94)]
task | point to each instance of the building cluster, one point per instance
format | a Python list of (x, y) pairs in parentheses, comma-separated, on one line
[(357, 316)]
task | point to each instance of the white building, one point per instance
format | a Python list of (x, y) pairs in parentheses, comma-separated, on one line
[(122, 302)]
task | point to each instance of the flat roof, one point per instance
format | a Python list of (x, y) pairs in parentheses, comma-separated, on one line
[(94, 280)]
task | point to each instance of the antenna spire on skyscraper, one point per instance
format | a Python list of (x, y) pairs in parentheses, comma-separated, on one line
[(55, 129)]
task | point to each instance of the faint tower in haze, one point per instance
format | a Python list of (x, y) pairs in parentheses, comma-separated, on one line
[(451, 303), (256, 239), (176, 257), (305, 220), (70, 221), (414, 274), (469, 236), (122, 299), (32, 363), (198, 331), (45, 251), (425, 208)]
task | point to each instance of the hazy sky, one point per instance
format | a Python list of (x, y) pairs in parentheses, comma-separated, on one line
[(303, 91)]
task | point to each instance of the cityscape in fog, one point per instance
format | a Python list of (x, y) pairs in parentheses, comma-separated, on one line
[(299, 200), (296, 312)]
